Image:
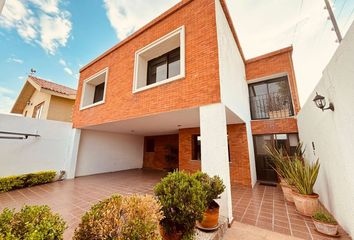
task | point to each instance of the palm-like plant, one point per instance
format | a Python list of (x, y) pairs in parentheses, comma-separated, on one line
[(303, 175)]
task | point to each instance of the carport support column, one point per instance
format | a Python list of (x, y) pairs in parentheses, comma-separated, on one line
[(70, 164), (214, 151)]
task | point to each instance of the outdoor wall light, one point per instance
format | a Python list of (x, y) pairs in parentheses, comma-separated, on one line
[(320, 102)]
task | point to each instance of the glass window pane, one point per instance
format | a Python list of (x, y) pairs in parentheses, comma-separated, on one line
[(161, 72), (99, 92), (293, 140), (261, 142), (174, 68)]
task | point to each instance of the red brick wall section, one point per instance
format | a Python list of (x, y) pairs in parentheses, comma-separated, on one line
[(240, 172), (157, 159), (185, 150), (239, 165), (200, 86), (287, 125), (267, 65)]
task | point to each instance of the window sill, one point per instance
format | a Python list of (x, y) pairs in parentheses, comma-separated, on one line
[(92, 105), (178, 77)]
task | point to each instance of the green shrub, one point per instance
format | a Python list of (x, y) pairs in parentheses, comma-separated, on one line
[(31, 222), (183, 202), (25, 180), (324, 216), (213, 187), (132, 217)]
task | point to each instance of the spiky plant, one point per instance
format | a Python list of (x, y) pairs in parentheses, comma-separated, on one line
[(303, 175)]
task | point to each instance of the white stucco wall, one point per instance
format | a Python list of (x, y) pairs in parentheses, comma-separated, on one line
[(101, 152), (214, 151), (233, 85), (50, 151), (333, 134)]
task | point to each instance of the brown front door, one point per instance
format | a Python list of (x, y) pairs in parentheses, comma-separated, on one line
[(265, 172)]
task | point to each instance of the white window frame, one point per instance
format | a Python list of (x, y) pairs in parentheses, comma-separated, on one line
[(179, 31), (87, 81)]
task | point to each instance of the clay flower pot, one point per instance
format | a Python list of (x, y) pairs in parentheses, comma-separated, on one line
[(287, 191), (305, 204), (326, 228), (211, 216), (171, 236)]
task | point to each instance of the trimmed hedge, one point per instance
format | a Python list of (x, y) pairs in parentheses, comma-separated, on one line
[(26, 180), (31, 222)]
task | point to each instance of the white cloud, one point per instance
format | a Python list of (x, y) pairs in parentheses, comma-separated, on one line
[(62, 62), (126, 16), (21, 77), (38, 21), (54, 32), (6, 99), (47, 6), (15, 60), (68, 71)]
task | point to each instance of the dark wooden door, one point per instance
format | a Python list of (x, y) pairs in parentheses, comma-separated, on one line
[(265, 171)]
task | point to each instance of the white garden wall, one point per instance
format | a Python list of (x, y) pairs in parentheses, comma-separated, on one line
[(101, 152), (50, 151), (233, 85), (332, 134)]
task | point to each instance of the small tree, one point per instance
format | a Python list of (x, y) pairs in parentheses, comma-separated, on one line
[(183, 202)]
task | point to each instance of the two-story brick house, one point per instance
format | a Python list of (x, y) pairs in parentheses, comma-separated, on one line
[(178, 93)]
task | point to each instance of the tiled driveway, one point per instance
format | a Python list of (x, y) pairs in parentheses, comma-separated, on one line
[(264, 207), (72, 198)]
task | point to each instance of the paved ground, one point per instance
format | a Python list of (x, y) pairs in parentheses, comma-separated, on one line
[(248, 232), (263, 207)]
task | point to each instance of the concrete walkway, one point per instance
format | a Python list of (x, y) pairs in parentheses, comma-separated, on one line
[(247, 232)]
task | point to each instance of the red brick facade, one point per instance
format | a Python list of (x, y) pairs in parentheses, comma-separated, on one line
[(268, 65), (201, 86)]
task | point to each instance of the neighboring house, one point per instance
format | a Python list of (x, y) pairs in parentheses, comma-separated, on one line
[(179, 93), (43, 99)]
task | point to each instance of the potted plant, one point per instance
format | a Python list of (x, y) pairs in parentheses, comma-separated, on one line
[(282, 163), (325, 223), (183, 203), (213, 187), (304, 176)]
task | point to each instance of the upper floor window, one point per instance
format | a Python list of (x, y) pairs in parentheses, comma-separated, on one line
[(271, 99), (94, 89), (160, 62)]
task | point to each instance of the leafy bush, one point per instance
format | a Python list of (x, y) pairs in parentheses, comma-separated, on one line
[(183, 202), (324, 216), (213, 187), (132, 217), (25, 180), (31, 222)]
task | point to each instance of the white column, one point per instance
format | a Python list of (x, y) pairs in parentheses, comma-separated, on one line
[(70, 164), (214, 150), (251, 154)]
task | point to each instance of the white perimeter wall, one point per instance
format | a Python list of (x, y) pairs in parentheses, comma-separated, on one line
[(333, 134), (50, 151), (233, 85), (101, 152)]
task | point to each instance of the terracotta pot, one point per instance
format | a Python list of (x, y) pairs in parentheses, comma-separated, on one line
[(305, 204), (211, 216), (171, 236), (287, 191), (326, 228)]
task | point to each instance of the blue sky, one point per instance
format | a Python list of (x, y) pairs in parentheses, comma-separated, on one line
[(57, 37)]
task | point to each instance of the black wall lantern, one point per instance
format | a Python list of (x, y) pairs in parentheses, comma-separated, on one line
[(320, 102)]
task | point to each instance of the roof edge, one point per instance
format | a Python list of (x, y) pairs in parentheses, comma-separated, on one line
[(150, 24), (232, 27), (270, 54)]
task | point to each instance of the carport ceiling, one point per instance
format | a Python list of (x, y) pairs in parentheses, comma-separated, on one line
[(160, 124)]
